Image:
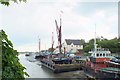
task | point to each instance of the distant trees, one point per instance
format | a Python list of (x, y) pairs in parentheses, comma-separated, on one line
[(113, 45)]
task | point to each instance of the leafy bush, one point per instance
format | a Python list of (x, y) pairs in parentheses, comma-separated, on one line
[(11, 67), (7, 2)]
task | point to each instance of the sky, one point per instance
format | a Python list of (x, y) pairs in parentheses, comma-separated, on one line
[(24, 23)]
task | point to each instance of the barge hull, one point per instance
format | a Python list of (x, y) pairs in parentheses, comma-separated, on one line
[(100, 74), (58, 68)]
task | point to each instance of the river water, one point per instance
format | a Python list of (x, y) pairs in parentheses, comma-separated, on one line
[(35, 70)]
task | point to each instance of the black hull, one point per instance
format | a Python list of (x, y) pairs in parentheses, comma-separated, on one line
[(27, 55), (39, 57), (58, 68), (100, 74)]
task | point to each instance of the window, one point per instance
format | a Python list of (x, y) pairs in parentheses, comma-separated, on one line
[(100, 54), (97, 54)]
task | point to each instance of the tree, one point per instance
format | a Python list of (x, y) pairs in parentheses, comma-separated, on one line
[(7, 2), (113, 45), (88, 47), (83, 42), (11, 67)]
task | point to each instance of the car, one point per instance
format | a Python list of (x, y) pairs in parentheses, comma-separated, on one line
[(111, 57), (115, 60), (118, 57), (77, 56), (71, 55)]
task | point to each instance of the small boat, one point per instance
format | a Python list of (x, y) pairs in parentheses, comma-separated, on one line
[(39, 56), (27, 54), (96, 65)]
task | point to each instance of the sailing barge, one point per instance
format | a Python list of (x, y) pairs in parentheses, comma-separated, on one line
[(60, 65)]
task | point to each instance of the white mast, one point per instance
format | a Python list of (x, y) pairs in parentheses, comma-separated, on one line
[(95, 45)]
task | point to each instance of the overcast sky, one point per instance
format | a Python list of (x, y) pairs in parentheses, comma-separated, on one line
[(24, 22)]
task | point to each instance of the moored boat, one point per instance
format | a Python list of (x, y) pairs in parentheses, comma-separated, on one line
[(58, 65), (97, 64), (59, 62), (27, 54)]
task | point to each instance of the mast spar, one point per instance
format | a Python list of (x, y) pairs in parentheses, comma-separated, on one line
[(95, 45), (58, 29), (39, 45), (52, 42)]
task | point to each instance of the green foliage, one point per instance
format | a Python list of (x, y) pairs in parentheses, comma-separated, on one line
[(88, 47), (83, 41), (7, 2), (11, 67), (113, 45), (86, 54)]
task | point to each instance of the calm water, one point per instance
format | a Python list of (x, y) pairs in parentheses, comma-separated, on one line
[(34, 69)]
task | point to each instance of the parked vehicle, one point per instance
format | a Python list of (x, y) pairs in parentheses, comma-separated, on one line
[(77, 56), (115, 60), (118, 57), (111, 57)]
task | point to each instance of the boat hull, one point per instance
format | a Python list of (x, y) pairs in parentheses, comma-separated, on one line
[(100, 74), (58, 68)]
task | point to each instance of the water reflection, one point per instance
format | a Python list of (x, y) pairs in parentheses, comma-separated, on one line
[(35, 70)]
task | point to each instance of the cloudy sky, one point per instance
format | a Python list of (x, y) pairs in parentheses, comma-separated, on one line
[(24, 22)]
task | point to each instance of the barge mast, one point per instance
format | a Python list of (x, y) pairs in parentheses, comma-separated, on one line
[(39, 45), (58, 29)]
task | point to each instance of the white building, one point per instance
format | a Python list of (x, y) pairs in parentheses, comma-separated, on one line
[(72, 45)]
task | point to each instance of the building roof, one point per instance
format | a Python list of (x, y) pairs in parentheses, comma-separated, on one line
[(74, 41)]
